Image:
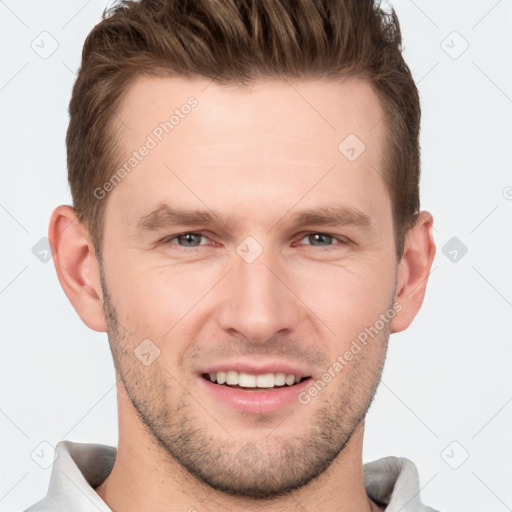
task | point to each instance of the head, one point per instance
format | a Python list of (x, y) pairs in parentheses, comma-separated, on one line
[(283, 138), (239, 42)]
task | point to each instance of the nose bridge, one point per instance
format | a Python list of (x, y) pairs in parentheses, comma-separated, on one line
[(256, 303)]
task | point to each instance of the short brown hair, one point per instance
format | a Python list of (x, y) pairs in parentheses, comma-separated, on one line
[(239, 41)]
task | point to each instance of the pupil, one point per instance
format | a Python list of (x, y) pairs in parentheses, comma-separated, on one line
[(189, 238), (319, 237)]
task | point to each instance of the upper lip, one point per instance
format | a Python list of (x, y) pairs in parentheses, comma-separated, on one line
[(257, 368)]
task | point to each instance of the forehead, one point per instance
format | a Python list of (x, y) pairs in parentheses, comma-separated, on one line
[(272, 140), (326, 108)]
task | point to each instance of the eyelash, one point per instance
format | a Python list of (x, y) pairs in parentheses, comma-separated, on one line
[(168, 240)]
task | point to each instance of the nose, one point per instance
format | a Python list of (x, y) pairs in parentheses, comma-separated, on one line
[(258, 300)]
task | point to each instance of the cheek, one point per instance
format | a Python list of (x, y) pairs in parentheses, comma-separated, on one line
[(154, 300), (346, 298), (160, 300)]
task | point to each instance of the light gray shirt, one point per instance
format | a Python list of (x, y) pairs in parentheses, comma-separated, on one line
[(81, 467)]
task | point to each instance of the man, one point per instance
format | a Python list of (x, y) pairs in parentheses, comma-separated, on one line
[(246, 229)]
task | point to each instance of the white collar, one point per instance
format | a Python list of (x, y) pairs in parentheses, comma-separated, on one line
[(80, 467)]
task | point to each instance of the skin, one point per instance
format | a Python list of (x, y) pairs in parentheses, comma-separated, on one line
[(256, 156)]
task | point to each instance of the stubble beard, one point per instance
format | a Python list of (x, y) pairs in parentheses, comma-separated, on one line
[(269, 467)]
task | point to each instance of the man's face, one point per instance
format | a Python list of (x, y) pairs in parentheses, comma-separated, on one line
[(256, 291)]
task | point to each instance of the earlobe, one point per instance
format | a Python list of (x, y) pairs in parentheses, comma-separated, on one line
[(413, 271), (77, 266)]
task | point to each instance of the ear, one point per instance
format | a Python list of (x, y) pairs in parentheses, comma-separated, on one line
[(77, 266), (413, 271)]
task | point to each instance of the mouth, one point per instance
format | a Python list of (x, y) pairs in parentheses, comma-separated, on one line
[(254, 382), (255, 390)]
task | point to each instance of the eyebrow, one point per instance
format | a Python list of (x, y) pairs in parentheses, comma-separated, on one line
[(332, 216), (165, 216)]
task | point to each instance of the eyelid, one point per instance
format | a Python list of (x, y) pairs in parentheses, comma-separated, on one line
[(167, 239), (341, 240)]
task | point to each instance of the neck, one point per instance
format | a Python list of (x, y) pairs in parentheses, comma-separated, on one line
[(146, 477)]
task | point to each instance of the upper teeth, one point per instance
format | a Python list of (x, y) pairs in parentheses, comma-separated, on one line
[(246, 380)]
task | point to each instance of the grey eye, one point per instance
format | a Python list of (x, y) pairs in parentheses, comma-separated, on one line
[(189, 239), (319, 239)]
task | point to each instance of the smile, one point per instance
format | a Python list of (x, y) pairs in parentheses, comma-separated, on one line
[(237, 379)]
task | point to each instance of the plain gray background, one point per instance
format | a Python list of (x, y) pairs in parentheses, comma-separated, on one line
[(445, 399)]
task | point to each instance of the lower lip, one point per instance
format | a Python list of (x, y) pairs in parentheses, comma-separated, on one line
[(256, 402)]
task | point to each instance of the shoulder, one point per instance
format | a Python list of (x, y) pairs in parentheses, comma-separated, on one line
[(394, 481)]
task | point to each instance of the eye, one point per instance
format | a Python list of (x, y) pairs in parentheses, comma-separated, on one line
[(192, 240), (185, 239), (322, 240)]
